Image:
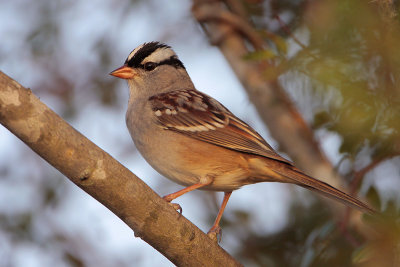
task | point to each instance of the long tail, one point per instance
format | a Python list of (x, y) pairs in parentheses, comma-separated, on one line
[(298, 177)]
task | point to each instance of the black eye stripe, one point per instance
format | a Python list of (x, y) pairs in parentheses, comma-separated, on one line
[(172, 61)]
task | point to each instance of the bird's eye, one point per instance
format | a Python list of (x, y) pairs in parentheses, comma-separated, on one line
[(150, 66)]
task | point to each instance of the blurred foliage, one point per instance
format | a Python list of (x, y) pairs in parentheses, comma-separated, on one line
[(351, 58), (310, 239), (355, 54), (352, 53), (383, 245)]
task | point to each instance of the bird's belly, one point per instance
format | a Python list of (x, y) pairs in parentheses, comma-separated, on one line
[(187, 162)]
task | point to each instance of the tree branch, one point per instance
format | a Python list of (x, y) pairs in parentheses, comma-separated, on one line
[(105, 179)]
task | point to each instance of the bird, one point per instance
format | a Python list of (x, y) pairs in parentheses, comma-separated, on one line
[(195, 141)]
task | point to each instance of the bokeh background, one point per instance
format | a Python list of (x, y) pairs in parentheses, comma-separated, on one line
[(339, 61)]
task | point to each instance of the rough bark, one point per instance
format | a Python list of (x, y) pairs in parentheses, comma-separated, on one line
[(105, 179)]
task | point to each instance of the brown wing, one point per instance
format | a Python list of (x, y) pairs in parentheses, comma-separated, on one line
[(199, 116)]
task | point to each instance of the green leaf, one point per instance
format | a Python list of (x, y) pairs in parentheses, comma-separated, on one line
[(373, 197), (321, 119), (260, 55), (361, 254)]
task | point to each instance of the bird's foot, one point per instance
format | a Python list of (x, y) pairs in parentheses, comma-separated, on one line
[(215, 233), (176, 206)]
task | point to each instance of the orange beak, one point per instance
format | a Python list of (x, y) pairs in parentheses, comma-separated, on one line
[(124, 72)]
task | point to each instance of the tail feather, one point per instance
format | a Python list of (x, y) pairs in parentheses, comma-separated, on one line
[(301, 179)]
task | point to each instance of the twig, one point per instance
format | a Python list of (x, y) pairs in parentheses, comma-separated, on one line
[(359, 175), (236, 7), (296, 40), (289, 32), (355, 183), (204, 15)]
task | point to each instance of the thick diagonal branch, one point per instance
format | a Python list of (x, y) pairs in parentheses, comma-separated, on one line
[(105, 179)]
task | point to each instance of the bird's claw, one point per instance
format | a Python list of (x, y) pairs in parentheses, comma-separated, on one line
[(215, 233), (177, 207)]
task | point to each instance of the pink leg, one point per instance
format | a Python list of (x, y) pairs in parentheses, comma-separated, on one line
[(172, 196), (215, 229)]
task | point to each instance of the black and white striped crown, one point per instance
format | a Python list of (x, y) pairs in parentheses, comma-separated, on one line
[(155, 52)]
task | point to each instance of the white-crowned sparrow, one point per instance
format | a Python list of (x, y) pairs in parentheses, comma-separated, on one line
[(195, 141)]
